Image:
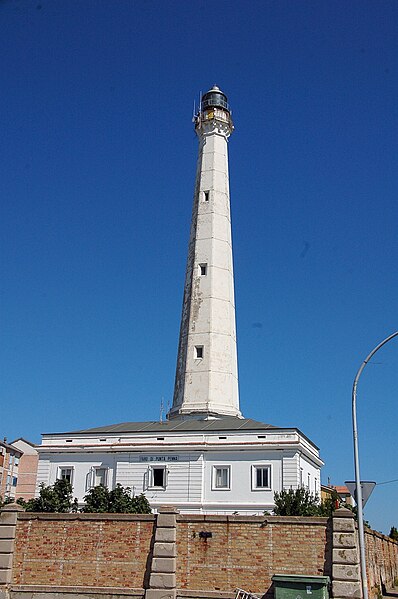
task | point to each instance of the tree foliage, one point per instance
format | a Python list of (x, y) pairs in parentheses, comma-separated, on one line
[(96, 500), (54, 498), (296, 502), (328, 505), (119, 500), (5, 501), (142, 504), (300, 502), (393, 533), (58, 498)]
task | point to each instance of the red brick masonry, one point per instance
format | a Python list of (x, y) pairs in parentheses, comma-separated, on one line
[(115, 551), (381, 561), (244, 552), (82, 550)]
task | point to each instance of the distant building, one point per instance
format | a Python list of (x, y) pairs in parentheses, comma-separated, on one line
[(9, 466), (18, 469), (341, 490), (27, 468), (205, 458)]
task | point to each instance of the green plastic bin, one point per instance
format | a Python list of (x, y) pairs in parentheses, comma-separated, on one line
[(296, 586)]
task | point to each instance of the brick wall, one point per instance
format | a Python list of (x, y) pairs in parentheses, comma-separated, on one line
[(381, 561), (82, 550), (112, 553), (244, 552)]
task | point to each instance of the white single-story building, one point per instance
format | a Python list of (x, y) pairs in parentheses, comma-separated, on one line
[(222, 465)]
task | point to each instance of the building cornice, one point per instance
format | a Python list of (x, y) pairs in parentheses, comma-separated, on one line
[(178, 447), (95, 434)]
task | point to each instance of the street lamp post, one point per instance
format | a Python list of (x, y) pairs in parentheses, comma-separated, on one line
[(356, 464)]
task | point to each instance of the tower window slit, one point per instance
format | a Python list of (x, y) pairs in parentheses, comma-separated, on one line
[(203, 270), (206, 196), (199, 352)]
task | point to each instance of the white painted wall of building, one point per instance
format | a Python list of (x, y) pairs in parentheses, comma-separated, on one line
[(190, 474), (82, 464), (309, 476), (242, 495), (183, 476)]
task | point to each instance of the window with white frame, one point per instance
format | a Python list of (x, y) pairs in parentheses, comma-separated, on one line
[(65, 473), (222, 477), (261, 477), (97, 475), (157, 477), (100, 477)]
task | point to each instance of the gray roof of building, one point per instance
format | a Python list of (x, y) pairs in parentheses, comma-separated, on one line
[(229, 423), (10, 447)]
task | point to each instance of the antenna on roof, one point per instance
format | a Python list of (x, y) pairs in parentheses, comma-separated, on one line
[(194, 110), (161, 410)]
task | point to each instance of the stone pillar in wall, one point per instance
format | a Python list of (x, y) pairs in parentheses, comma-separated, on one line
[(8, 526), (346, 579), (162, 581)]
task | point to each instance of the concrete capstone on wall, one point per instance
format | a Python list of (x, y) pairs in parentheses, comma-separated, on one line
[(162, 581), (8, 524), (346, 581)]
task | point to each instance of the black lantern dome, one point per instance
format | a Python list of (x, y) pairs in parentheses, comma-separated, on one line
[(215, 98)]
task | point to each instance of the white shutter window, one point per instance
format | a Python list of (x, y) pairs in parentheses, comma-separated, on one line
[(65, 473), (221, 477), (100, 476), (147, 479)]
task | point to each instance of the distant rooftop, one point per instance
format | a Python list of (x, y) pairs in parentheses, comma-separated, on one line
[(229, 423), (341, 489), (10, 447)]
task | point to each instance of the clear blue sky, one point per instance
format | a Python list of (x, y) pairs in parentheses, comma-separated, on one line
[(97, 174)]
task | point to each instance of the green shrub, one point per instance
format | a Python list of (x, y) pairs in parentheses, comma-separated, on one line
[(118, 501), (296, 502), (54, 498), (58, 498), (393, 533)]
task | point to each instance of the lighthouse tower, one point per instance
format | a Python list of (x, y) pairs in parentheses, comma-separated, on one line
[(206, 383), (205, 458)]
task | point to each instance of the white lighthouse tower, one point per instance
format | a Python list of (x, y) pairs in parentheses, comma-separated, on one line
[(205, 458), (206, 383)]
